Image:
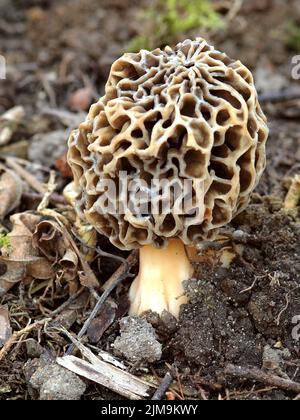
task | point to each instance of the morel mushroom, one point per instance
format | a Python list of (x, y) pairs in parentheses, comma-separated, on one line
[(188, 114)]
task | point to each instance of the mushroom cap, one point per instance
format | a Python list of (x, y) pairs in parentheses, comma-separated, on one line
[(188, 114)]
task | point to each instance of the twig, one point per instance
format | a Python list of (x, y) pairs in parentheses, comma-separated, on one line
[(163, 387), (99, 251), (280, 96), (287, 300), (131, 261), (48, 89), (51, 186), (67, 303), (18, 334), (28, 177), (211, 385), (252, 392), (256, 278), (258, 375), (109, 286), (25, 162), (248, 289), (234, 10), (55, 199), (69, 119), (179, 384)]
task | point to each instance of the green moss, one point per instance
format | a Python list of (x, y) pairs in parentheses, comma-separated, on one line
[(293, 36), (167, 18)]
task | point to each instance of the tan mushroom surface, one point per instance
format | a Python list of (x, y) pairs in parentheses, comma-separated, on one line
[(183, 114)]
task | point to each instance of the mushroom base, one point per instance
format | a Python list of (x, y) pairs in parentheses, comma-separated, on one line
[(158, 286)]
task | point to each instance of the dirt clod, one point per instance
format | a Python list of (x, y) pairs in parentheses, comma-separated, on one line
[(55, 383), (138, 341), (33, 348), (273, 359)]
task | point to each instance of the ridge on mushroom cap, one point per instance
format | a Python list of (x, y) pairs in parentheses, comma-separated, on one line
[(183, 114)]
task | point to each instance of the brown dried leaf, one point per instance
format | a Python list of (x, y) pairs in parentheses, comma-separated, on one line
[(17, 149), (50, 240), (5, 328), (11, 188), (87, 280), (53, 241), (69, 263), (14, 273), (69, 270), (100, 324), (20, 258)]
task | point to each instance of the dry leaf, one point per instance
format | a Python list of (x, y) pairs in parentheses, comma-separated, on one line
[(18, 149), (69, 270), (69, 263), (9, 123), (50, 239), (88, 236), (19, 257), (5, 328), (100, 324), (11, 188), (87, 280)]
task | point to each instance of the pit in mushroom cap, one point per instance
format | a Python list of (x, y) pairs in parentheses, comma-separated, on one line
[(184, 113)]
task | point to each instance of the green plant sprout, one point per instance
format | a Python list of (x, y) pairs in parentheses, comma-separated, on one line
[(168, 18), (4, 241), (293, 36)]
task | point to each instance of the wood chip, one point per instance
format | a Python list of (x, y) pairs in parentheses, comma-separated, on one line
[(123, 383)]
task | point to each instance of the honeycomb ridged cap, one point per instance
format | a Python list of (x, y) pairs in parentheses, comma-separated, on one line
[(183, 114)]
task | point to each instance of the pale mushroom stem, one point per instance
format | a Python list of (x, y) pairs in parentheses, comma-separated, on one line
[(158, 286)]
